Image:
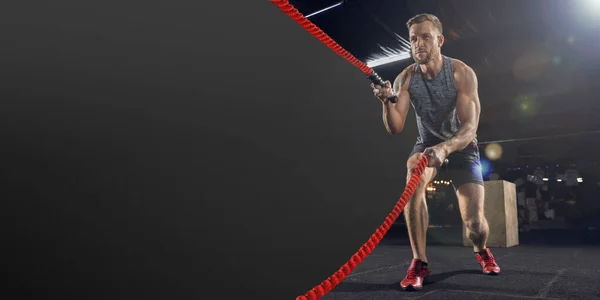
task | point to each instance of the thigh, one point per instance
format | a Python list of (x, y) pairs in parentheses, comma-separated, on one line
[(465, 171), (464, 168)]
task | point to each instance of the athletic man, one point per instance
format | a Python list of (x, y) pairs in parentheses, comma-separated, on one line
[(443, 92)]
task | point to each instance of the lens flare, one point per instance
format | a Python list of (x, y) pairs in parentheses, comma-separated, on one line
[(493, 151)]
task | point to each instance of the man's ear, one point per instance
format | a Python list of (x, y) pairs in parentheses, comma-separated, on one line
[(440, 40)]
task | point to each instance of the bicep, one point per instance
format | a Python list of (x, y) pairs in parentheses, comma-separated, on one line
[(467, 105)]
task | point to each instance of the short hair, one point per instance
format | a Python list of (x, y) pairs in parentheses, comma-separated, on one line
[(420, 18)]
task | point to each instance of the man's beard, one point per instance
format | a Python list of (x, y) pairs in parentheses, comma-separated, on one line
[(427, 57)]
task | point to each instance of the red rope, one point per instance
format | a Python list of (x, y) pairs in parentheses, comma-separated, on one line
[(291, 11), (330, 283)]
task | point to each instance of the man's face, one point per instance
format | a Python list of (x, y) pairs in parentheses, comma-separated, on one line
[(425, 41)]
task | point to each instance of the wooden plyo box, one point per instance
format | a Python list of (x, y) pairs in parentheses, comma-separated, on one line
[(501, 214)]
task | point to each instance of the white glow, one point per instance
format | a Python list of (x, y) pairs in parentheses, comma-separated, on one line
[(390, 55), (579, 179), (545, 179), (493, 151), (588, 9), (594, 4), (387, 60), (559, 180), (324, 9)]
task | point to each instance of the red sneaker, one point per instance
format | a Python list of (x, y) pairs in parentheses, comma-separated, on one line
[(487, 262), (415, 276)]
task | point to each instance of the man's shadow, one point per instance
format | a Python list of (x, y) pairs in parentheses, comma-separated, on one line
[(355, 287)]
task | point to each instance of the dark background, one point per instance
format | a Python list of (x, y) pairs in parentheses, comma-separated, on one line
[(168, 151)]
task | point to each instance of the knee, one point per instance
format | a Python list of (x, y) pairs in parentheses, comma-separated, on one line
[(475, 224), (422, 183)]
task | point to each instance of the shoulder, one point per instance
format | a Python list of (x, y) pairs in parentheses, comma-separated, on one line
[(403, 77), (464, 75)]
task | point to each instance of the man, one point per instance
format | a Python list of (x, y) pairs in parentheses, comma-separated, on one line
[(443, 92)]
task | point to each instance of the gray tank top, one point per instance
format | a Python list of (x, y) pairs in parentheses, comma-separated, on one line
[(434, 102)]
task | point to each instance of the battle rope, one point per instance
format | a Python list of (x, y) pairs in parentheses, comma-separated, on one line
[(291, 11), (332, 281)]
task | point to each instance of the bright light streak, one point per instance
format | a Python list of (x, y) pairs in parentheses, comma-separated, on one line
[(387, 59), (390, 55), (324, 9)]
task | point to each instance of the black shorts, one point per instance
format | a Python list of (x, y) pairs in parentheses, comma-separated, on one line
[(462, 167)]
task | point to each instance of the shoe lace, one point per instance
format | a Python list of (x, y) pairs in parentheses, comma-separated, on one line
[(412, 273), (489, 260)]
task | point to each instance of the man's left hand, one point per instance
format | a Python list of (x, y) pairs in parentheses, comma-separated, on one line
[(437, 155)]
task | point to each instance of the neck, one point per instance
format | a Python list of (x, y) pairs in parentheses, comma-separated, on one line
[(432, 67)]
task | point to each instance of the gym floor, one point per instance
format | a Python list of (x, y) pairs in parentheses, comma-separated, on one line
[(546, 265)]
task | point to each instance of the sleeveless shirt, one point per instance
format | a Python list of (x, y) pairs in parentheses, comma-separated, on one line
[(434, 102)]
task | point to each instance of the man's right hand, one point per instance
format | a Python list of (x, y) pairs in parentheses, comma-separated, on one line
[(383, 93)]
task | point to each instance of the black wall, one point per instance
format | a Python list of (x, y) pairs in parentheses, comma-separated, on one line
[(165, 150)]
